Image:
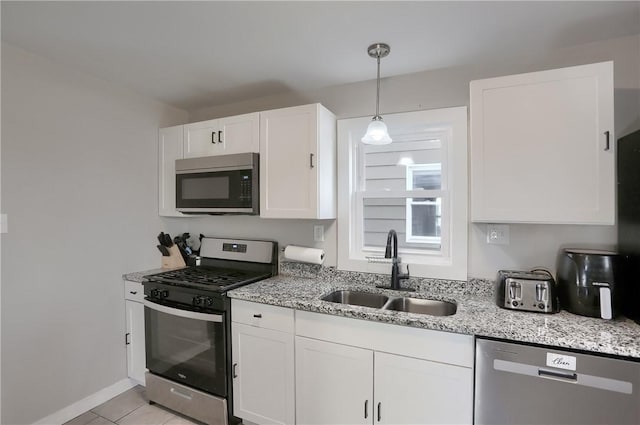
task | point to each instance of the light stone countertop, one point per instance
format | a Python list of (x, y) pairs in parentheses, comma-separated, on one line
[(477, 313), (138, 276)]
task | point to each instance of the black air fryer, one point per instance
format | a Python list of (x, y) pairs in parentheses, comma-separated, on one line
[(586, 281), (629, 221)]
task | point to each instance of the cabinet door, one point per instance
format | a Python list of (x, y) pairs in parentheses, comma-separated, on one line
[(202, 139), (136, 361), (413, 391), (543, 147), (288, 159), (169, 149), (263, 385), (240, 134), (334, 383)]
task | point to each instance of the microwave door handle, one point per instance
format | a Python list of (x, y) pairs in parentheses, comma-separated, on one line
[(183, 313)]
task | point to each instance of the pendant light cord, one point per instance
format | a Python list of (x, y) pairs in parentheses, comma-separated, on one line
[(378, 90)]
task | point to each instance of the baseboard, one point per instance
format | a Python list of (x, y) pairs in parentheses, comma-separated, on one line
[(87, 403)]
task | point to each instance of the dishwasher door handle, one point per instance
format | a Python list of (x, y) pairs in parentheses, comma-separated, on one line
[(573, 377)]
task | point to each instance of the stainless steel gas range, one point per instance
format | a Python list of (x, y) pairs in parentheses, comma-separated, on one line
[(188, 327)]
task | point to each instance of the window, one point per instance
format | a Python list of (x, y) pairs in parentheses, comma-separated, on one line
[(424, 214), (407, 186)]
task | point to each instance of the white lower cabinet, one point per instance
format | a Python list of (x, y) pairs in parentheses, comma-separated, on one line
[(263, 363), (334, 383), (339, 384), (351, 371), (347, 371), (414, 391), (134, 337)]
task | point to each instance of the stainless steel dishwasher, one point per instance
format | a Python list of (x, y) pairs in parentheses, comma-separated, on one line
[(522, 384)]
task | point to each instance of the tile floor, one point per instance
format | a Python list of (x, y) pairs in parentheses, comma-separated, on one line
[(130, 408)]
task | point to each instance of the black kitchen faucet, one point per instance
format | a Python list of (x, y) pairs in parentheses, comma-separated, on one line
[(396, 276)]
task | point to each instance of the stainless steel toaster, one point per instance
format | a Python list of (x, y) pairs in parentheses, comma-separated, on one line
[(533, 290)]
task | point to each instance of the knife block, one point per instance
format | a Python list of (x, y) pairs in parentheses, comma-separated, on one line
[(174, 260)]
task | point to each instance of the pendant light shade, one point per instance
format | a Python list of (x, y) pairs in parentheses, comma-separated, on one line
[(377, 133)]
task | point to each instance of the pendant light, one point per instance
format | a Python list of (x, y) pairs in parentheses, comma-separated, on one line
[(377, 133)]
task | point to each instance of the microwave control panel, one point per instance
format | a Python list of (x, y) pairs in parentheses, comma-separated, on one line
[(245, 186)]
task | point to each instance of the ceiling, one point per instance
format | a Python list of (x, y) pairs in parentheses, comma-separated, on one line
[(197, 54)]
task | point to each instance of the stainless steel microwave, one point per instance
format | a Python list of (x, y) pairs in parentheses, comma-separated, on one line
[(223, 184)]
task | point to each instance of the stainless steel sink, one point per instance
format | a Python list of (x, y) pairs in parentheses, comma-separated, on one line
[(365, 299), (421, 306), (405, 304)]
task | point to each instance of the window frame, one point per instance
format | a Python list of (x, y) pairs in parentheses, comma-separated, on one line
[(450, 262)]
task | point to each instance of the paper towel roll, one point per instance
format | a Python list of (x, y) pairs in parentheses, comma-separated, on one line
[(304, 254)]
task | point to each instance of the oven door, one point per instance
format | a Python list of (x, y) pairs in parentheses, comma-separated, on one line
[(186, 346)]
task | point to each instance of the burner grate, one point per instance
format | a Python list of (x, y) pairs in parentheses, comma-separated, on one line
[(212, 278)]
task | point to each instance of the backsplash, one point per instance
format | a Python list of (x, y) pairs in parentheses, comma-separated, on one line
[(471, 287)]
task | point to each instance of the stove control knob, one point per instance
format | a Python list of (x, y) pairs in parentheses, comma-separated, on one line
[(164, 294), (154, 293), (197, 300), (209, 301)]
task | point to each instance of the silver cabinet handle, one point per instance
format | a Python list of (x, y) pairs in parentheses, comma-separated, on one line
[(127, 341), (220, 136), (133, 292), (187, 314), (258, 316), (560, 375), (379, 411), (235, 375), (178, 393), (366, 409), (606, 135), (311, 160), (213, 137)]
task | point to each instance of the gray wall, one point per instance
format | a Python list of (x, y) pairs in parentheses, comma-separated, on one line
[(79, 184), (531, 245)]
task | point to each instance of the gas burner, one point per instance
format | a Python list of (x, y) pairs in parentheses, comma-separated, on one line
[(213, 279)]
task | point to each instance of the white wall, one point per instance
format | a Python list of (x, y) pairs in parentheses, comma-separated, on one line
[(531, 245), (79, 184)]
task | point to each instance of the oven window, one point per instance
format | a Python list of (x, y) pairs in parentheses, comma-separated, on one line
[(205, 188), (185, 350)]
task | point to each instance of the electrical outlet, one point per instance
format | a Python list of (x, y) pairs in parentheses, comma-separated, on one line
[(498, 234), (318, 233)]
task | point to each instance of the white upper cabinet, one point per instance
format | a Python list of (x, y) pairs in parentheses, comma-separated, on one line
[(298, 163), (169, 149), (237, 134), (543, 147)]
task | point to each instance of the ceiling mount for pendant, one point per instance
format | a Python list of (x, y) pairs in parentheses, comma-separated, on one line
[(377, 133), (379, 50)]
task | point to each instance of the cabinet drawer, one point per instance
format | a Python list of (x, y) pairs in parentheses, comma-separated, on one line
[(133, 291), (262, 315)]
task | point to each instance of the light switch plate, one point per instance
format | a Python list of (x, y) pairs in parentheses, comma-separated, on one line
[(4, 226), (498, 234), (318, 233)]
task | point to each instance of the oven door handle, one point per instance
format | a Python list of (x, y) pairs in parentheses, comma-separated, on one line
[(183, 313)]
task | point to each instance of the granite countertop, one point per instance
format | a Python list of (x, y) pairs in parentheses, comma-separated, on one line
[(477, 313), (137, 276)]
